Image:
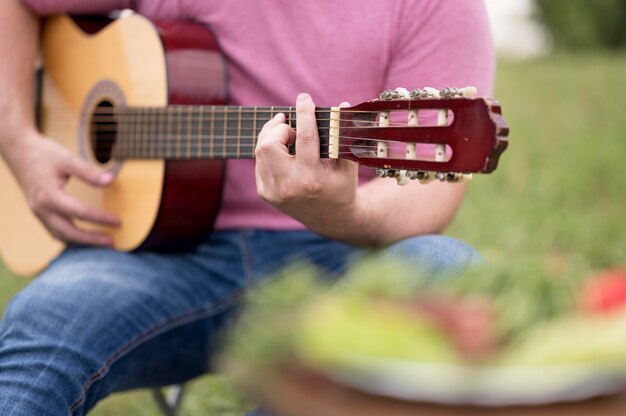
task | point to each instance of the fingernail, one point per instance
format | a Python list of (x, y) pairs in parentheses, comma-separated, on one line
[(106, 177), (303, 96)]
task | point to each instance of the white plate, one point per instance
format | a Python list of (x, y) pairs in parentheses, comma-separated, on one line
[(482, 386)]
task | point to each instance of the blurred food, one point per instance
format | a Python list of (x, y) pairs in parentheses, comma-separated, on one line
[(495, 335), (605, 292)]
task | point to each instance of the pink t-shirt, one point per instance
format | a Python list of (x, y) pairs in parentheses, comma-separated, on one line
[(348, 50)]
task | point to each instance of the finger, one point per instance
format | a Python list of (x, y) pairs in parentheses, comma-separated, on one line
[(71, 207), (274, 121), (64, 229), (88, 172), (307, 139), (272, 155), (275, 140)]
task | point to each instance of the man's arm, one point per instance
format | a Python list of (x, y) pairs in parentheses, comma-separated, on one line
[(18, 48), (323, 194), (41, 166)]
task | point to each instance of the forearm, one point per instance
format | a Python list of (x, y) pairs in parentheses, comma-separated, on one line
[(18, 47), (384, 212)]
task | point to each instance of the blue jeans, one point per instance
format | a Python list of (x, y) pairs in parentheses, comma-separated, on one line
[(99, 321)]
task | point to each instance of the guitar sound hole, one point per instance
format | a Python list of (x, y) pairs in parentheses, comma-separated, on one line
[(103, 131)]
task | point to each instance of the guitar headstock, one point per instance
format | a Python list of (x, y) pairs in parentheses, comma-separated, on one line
[(425, 134)]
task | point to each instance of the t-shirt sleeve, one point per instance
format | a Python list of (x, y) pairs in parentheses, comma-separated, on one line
[(442, 44), (162, 9), (48, 7)]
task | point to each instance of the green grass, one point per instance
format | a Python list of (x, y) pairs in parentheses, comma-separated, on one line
[(558, 198), (560, 192)]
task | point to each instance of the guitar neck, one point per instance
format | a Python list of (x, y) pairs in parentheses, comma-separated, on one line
[(192, 132)]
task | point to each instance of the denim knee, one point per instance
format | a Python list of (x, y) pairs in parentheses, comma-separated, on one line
[(437, 255)]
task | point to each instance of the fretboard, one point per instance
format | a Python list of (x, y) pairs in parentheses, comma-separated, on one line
[(193, 132)]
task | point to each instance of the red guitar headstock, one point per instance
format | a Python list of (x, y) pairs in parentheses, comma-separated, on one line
[(425, 134)]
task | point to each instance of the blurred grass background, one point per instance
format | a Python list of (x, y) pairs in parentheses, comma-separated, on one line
[(559, 196)]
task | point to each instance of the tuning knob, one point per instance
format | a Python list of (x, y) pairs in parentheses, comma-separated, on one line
[(449, 92), (402, 178), (453, 177), (385, 173), (398, 93), (425, 177), (386, 95)]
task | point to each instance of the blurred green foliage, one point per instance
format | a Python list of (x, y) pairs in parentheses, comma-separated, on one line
[(584, 24)]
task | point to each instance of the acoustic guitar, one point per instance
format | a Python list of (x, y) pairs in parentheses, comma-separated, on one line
[(147, 101)]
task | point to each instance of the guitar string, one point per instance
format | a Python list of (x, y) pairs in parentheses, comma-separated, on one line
[(207, 139), (272, 114), (144, 124), (234, 117), (159, 125), (175, 140), (229, 154), (194, 110), (171, 147)]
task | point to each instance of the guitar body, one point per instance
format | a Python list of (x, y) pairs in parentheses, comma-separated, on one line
[(129, 62)]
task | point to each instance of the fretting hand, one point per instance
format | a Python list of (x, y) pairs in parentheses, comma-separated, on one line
[(317, 192)]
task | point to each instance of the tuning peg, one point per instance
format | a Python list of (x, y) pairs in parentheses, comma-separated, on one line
[(453, 177), (429, 92), (402, 178), (468, 92), (403, 92), (463, 177), (449, 92), (385, 173), (425, 177), (432, 92), (386, 95), (416, 94), (396, 94)]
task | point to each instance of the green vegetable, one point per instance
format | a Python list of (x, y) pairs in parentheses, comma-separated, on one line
[(347, 331)]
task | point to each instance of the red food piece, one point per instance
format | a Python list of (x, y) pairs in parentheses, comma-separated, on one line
[(605, 292), (470, 323)]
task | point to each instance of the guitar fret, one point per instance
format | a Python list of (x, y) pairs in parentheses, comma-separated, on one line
[(288, 114), (144, 134), (255, 133), (239, 135), (160, 125), (170, 125), (150, 133), (224, 132), (177, 153), (188, 137), (130, 129)]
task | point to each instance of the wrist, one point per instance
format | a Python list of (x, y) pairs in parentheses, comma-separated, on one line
[(354, 223), (14, 141)]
